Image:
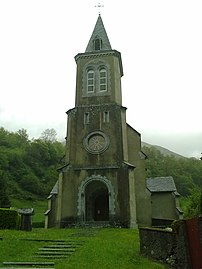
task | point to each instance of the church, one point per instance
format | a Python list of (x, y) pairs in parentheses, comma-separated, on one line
[(103, 179)]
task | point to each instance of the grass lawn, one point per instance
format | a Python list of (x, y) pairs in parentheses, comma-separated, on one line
[(106, 248)]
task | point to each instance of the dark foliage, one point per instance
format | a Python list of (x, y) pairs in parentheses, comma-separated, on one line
[(9, 219), (4, 198)]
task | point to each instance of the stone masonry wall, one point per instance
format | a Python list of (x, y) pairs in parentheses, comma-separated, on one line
[(169, 246)]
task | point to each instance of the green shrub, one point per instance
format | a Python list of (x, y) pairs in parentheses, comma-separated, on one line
[(39, 224), (9, 219)]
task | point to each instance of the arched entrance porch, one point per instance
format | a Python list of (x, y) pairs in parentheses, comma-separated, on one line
[(96, 199)]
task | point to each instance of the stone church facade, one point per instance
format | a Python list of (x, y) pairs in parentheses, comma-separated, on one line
[(103, 179)]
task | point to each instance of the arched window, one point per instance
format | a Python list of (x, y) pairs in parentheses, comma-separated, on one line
[(90, 81), (96, 79), (103, 79)]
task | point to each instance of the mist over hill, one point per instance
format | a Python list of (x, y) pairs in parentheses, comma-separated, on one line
[(164, 151)]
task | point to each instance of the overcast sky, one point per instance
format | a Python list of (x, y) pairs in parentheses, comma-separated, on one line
[(161, 46)]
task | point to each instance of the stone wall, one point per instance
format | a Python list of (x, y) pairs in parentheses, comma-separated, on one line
[(169, 245)]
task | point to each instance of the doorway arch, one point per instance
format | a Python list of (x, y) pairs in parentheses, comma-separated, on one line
[(96, 199), (96, 202)]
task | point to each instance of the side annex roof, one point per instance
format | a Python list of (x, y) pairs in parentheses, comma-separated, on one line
[(161, 184)]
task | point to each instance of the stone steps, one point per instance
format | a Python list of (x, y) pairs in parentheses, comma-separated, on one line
[(62, 246), (55, 249), (29, 263), (48, 253), (48, 249), (50, 257), (58, 249), (26, 267), (43, 240)]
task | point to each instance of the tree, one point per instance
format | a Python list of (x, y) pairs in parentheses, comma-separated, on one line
[(31, 183), (49, 135), (22, 136), (4, 199), (4, 141), (193, 208)]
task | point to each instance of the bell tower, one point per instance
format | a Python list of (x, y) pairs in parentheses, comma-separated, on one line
[(99, 70), (103, 179), (98, 115)]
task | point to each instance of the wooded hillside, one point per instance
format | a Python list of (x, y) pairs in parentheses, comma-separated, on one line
[(28, 168), (186, 172)]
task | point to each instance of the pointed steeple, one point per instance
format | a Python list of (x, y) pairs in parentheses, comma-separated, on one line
[(99, 40)]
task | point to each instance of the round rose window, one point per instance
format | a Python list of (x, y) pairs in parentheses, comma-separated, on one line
[(96, 142)]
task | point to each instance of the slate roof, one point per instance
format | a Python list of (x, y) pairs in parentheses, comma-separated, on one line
[(100, 32), (161, 184)]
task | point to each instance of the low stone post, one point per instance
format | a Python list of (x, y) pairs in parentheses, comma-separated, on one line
[(26, 218)]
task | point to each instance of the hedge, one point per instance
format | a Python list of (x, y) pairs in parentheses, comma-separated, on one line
[(9, 219), (39, 224)]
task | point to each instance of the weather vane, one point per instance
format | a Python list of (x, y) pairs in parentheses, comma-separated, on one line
[(99, 6)]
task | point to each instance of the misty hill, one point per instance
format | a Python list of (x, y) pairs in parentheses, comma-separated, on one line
[(29, 167), (164, 151)]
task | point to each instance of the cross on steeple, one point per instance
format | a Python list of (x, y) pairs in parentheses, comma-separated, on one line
[(99, 6)]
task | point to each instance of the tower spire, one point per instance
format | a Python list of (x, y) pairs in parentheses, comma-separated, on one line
[(99, 39)]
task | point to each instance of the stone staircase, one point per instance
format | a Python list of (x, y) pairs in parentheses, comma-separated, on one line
[(28, 265), (53, 249), (58, 250)]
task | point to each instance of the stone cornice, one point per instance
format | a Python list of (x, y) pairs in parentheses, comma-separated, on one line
[(78, 168), (73, 110), (98, 54), (67, 167), (97, 167)]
